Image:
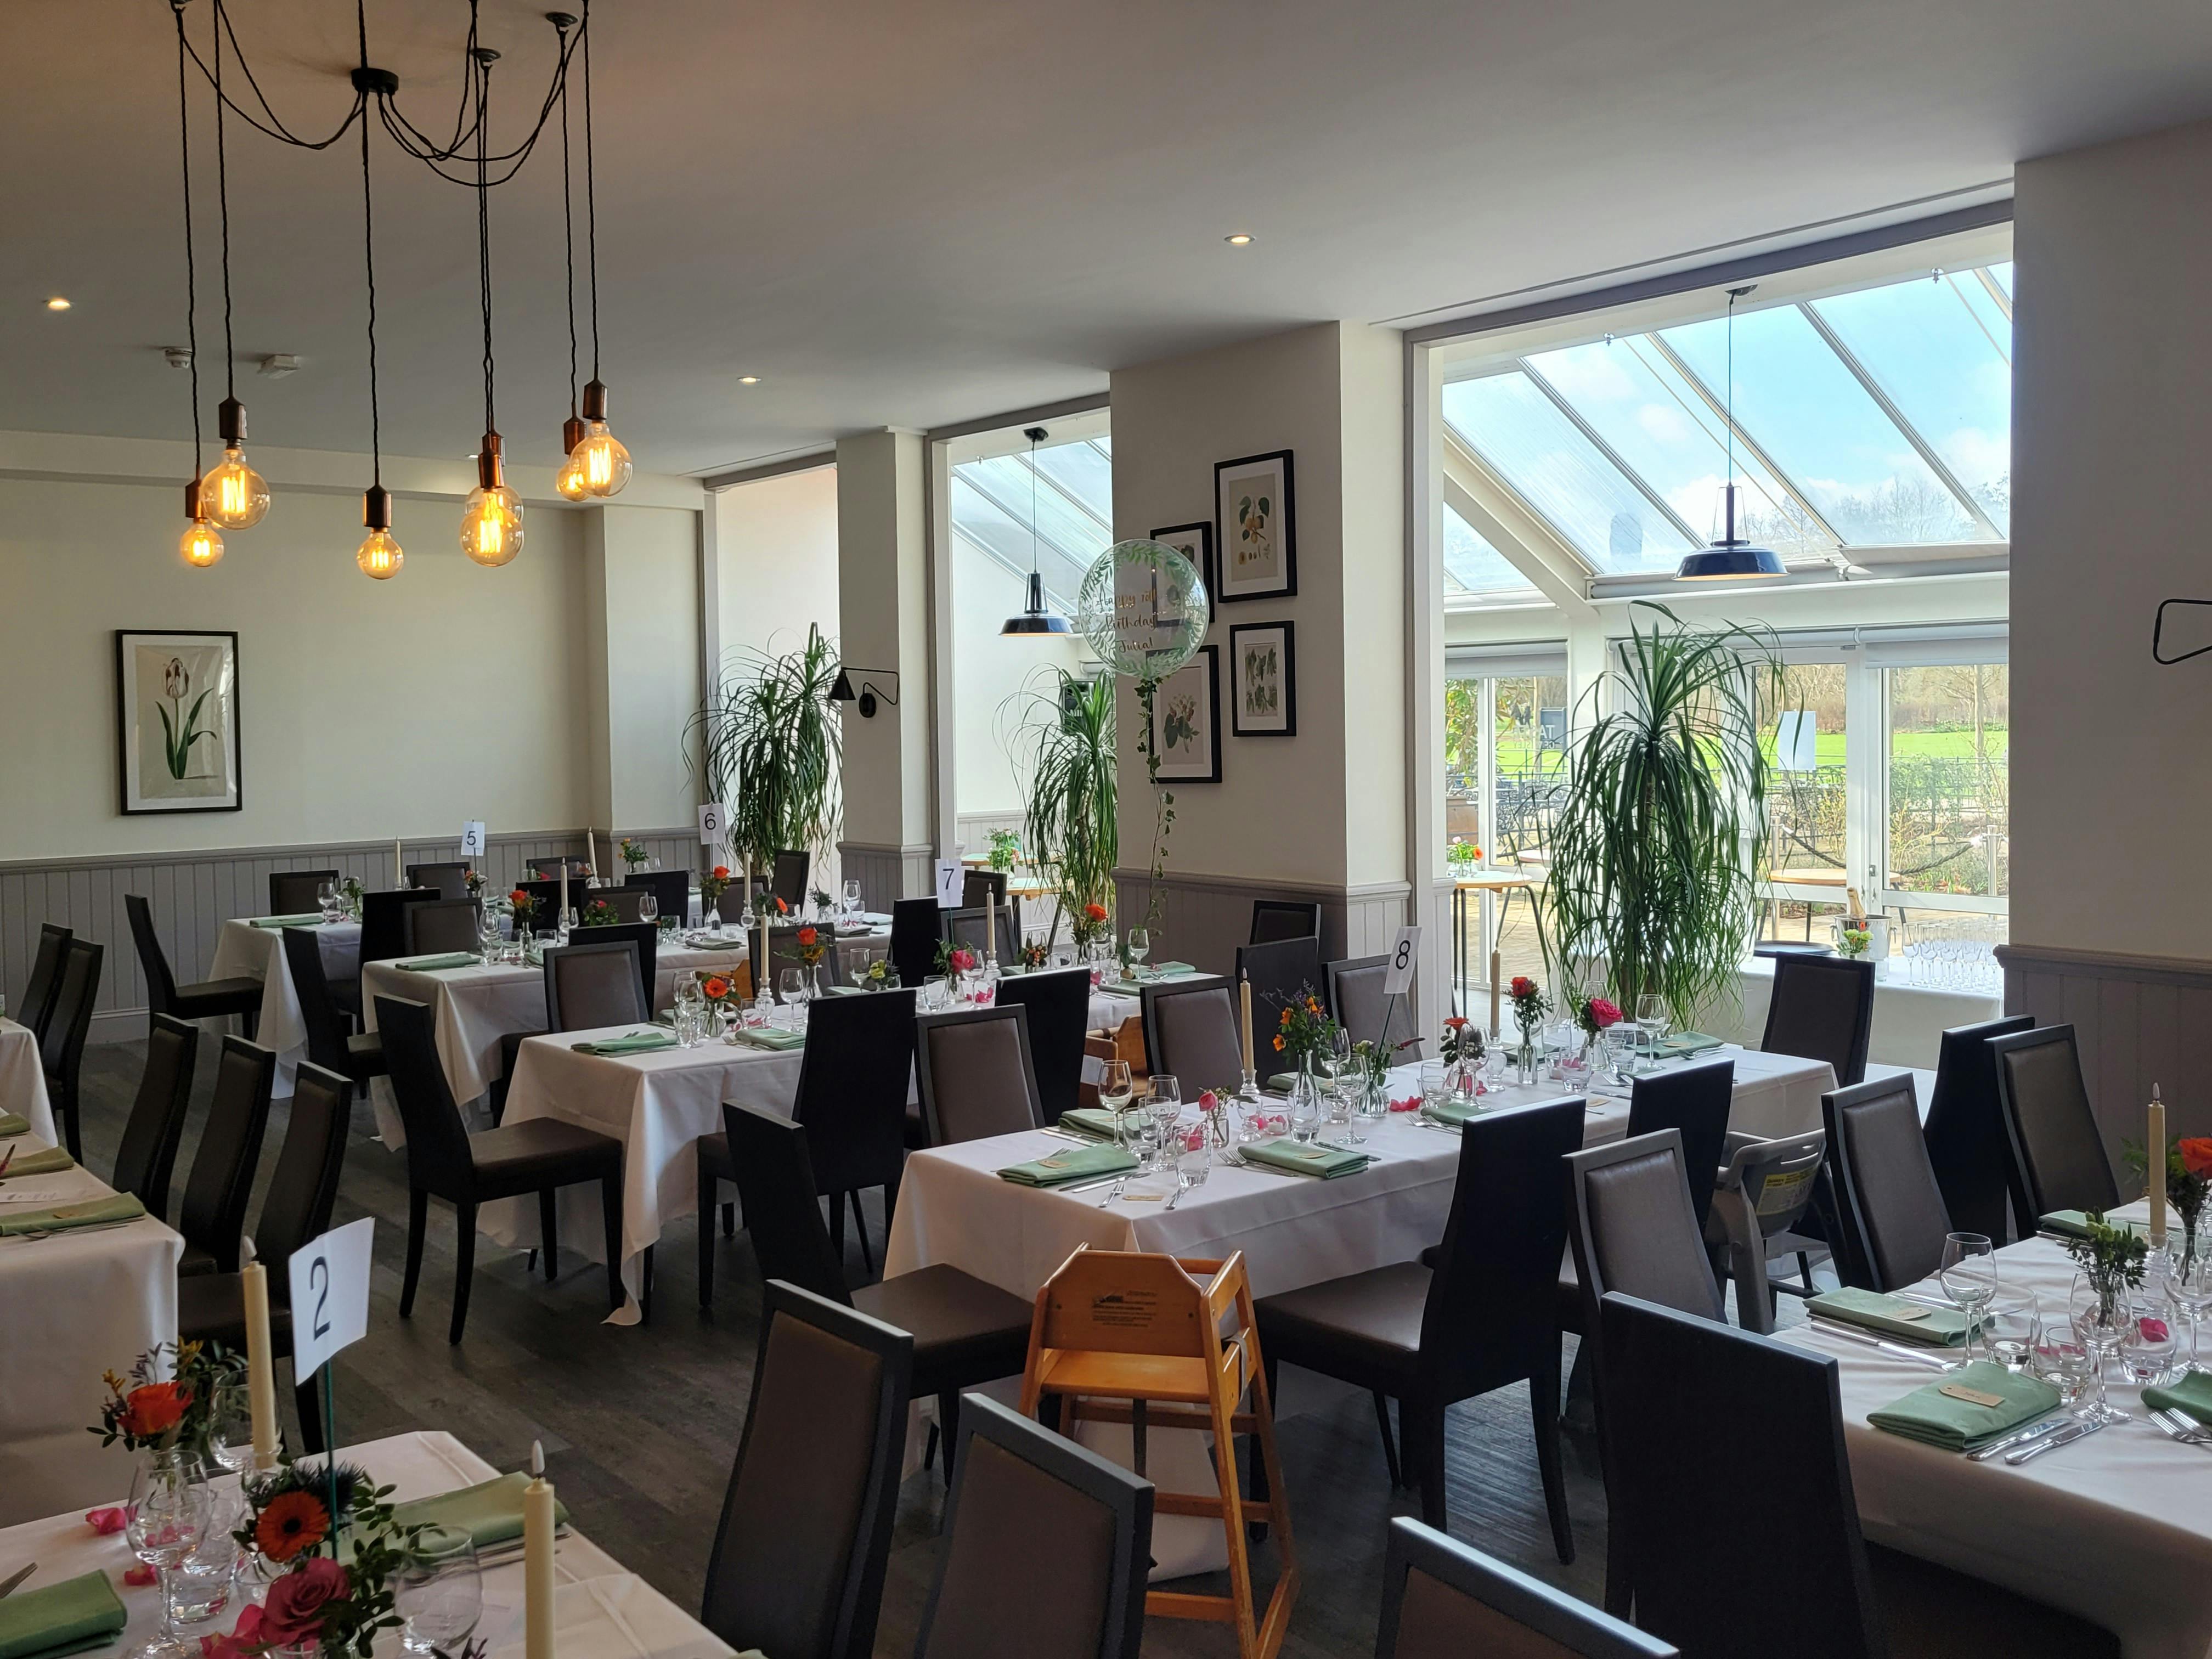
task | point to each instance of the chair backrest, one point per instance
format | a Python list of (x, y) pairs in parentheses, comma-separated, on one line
[(1822, 1009), (1280, 918), (1190, 1034), (1691, 1405), (917, 925), (2050, 1129), (1965, 1130), (443, 924), (970, 926), (1281, 972), (798, 1564), (671, 889), (1891, 1209), (1633, 1229), (1354, 989), (975, 884), (1492, 1310), (147, 1155), (70, 1021), (1059, 1005), (1080, 1526), (383, 921), (213, 1217), (153, 961), (1695, 1101), (645, 936), (1445, 1599), (783, 949), (623, 901), (776, 1188), (1778, 1178), (545, 902), (853, 1088), (438, 1157), (37, 1007), (977, 1076), (292, 892), (593, 984), (788, 877), (305, 1188), (448, 881), (311, 988)]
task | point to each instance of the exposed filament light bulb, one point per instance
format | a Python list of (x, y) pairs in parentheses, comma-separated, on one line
[(569, 481), (200, 546), (600, 457), (235, 495), (380, 556), (491, 523)]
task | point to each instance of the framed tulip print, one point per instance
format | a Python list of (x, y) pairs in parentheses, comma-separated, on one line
[(1262, 686), (176, 713), (1256, 527), (1187, 720)]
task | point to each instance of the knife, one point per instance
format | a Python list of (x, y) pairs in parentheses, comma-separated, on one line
[(15, 1578), (1915, 1355), (2051, 1443), (2020, 1436)]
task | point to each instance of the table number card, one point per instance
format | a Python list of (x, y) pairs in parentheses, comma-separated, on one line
[(714, 820), (949, 876), (1405, 953), (472, 839), (330, 1293)]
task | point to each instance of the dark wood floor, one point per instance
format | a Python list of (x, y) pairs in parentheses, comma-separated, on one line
[(639, 1424)]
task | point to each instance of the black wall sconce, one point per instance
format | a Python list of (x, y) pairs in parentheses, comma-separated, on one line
[(840, 689)]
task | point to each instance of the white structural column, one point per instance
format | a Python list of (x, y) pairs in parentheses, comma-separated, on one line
[(641, 622), (883, 580)]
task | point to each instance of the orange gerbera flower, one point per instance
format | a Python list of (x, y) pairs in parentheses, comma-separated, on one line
[(806, 936), (716, 989), (293, 1521), (2195, 1154)]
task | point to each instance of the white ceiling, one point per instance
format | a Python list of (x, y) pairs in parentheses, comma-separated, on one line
[(914, 215)]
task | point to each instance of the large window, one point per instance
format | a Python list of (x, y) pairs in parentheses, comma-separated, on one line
[(1505, 737), (1070, 487)]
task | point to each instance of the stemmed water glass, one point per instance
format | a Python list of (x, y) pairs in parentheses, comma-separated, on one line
[(1969, 1277), (1139, 947), (230, 1425), (439, 1591), (852, 900), (1652, 1019), (1115, 1089), (326, 896), (2191, 1284), (167, 1513)]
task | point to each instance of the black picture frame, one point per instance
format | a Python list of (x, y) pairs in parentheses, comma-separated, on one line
[(1176, 535), (129, 744), (1288, 726), (1284, 584), (1210, 656)]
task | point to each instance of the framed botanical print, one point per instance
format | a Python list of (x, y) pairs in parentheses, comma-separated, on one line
[(1196, 543), (176, 713), (1257, 527), (1187, 720), (1262, 682)]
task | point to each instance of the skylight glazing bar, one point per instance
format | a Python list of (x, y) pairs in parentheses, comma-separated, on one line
[(1996, 291), (1068, 495), (1752, 447), (2001, 348), (1019, 515), (1612, 455)]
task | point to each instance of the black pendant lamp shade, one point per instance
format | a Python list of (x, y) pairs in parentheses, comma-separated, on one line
[(1036, 618), (1732, 558)]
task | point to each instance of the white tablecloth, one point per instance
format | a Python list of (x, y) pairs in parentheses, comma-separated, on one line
[(23, 1080), (598, 1608), (258, 953), (72, 1307), (2116, 1528)]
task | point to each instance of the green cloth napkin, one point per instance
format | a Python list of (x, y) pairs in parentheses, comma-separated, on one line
[(92, 1212), (1454, 1113), (1072, 1165), (767, 1037), (1936, 1418), (70, 1617), (1310, 1157), (636, 1042), (2192, 1395), (431, 965), (2074, 1223), (490, 1513), (1279, 1084), (1094, 1121), (312, 919), (13, 1123), (1916, 1322), (49, 1160), (1687, 1042), (738, 944)]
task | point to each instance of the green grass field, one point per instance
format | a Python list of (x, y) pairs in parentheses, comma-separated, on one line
[(1518, 753)]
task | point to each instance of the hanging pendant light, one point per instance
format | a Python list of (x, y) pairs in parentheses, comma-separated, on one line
[(1732, 558), (568, 482), (601, 463), (200, 546), (491, 522), (378, 556), (234, 495), (1036, 618)]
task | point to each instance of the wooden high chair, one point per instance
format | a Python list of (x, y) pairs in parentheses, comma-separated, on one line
[(1125, 1337)]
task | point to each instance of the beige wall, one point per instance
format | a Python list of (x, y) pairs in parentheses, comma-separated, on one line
[(641, 625), (2110, 426), (883, 612), (776, 549)]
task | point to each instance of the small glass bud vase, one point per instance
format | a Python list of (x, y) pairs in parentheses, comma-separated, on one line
[(1306, 1107)]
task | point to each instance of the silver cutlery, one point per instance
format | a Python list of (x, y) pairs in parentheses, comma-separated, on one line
[(1065, 1134), (1174, 1198), (1891, 1348), (2020, 1438), (56, 1232), (2178, 1427), (2065, 1436), (7, 1584)]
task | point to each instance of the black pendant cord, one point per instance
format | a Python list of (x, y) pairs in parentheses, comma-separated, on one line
[(590, 192), (368, 262), (191, 288), (568, 230), (274, 127), (1033, 508), (222, 205), (483, 232)]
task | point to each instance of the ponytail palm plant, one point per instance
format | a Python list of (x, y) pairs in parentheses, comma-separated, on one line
[(1062, 737), (1663, 822), (773, 750)]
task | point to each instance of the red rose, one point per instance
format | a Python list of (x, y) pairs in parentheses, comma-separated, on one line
[(806, 936), (2195, 1154), (1523, 985), (155, 1408), (1603, 1013), (963, 960), (243, 1641), (1457, 1021), (517, 896), (1095, 912), (293, 1611), (721, 873)]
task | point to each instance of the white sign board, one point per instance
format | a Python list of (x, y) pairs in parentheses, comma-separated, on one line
[(1796, 741), (714, 819), (330, 1293), (1405, 953), (951, 875), (472, 839)]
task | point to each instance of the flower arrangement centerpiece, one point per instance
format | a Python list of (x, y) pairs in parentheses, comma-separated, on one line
[(524, 908), (2111, 1259), (878, 975), (1304, 1032), (712, 886), (350, 892), (718, 989), (473, 879), (1088, 924), (171, 1414), (634, 856), (598, 914), (2188, 1183), (1461, 854), (1005, 849), (1855, 941), (822, 902), (1460, 1047), (1033, 953), (811, 949), (955, 961), (1530, 1004), (1594, 1015)]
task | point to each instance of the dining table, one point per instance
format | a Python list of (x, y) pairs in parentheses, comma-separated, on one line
[(601, 1610), (23, 1080), (2115, 1527), (74, 1305), (253, 946)]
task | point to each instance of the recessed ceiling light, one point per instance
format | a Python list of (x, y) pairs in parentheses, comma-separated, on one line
[(748, 380), (1239, 238), (58, 304)]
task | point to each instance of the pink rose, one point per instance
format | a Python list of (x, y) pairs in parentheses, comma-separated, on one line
[(1194, 1140), (1207, 1101), (294, 1611), (1603, 1013), (245, 1640), (105, 1522), (2153, 1330), (138, 1578), (1410, 1103), (963, 960)]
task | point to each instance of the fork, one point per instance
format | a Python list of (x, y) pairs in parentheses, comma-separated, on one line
[(1113, 1196), (2178, 1427)]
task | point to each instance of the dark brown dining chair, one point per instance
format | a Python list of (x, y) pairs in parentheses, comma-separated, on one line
[(1059, 1004), (783, 948), (354, 1055), (446, 1161), (1444, 1600), (917, 925), (1892, 1219), (549, 870), (1283, 973), (61, 1052), (1965, 1130), (1354, 988), (383, 922), (787, 880), (441, 925), (593, 983), (2056, 1150), (37, 1007), (1082, 1526), (1278, 918), (448, 881), (625, 902), (976, 885), (976, 1075), (211, 1307), (970, 927), (797, 1568), (670, 891), (147, 1157), (1191, 1034), (966, 1332), (1485, 1317), (295, 892), (211, 998), (213, 1216), (1822, 1008)]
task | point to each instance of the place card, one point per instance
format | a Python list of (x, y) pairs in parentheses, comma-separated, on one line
[(1971, 1396), (1909, 1310)]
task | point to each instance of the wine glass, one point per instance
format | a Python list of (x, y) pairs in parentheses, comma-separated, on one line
[(790, 986), (326, 896), (1652, 1019), (1115, 1089), (1140, 946), (1969, 1277), (438, 1592), (2192, 1289), (2149, 1339), (648, 907), (230, 1425), (165, 1516), (852, 900)]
